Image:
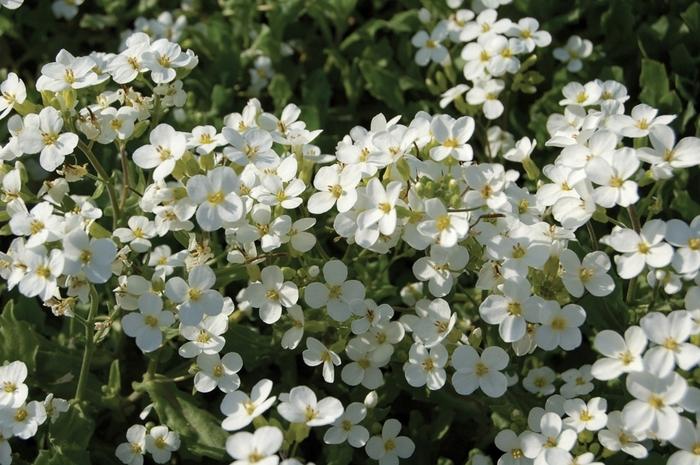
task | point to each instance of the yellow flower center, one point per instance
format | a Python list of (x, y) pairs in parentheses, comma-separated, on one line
[(442, 223), (515, 309), (558, 324), (21, 415), (216, 198), (481, 369)]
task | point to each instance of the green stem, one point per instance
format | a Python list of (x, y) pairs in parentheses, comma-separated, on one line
[(105, 178), (634, 218), (592, 234), (125, 175), (89, 345)]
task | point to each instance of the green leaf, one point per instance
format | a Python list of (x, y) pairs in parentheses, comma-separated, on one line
[(654, 82), (381, 83), (18, 340), (691, 17), (254, 348), (199, 429), (685, 205), (72, 428), (279, 90)]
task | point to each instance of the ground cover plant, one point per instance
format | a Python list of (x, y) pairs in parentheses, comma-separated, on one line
[(348, 232)]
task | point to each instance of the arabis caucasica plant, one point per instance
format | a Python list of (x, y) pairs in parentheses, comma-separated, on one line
[(285, 304)]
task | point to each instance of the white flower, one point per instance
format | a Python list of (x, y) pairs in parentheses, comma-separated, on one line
[(337, 294), (205, 139), (480, 371), (446, 228), (559, 326), (347, 427), (486, 23), (257, 448), (435, 321), (654, 406), (521, 151), (254, 146), (639, 249), (586, 415), (148, 324), (429, 46), (686, 258), (66, 9), (452, 137), (303, 407), (299, 239), (611, 172), (40, 224), (389, 447), (364, 368), (13, 392), (451, 94), (216, 195), (161, 443), (616, 437), (55, 406), (510, 443), (67, 72), (486, 182), (485, 93), (272, 293), (369, 314), (43, 133), (540, 381), (166, 147), (93, 257), (380, 208), (526, 31), (116, 124), (575, 49), (12, 92), (206, 337), (640, 121), (426, 367), (670, 333), (137, 235), (552, 443), (583, 95), (687, 440), (240, 410), (292, 337), (42, 271), (316, 354), (590, 273), (11, 5), (132, 451), (577, 382), (195, 295), (511, 310), (621, 355), (666, 155), (162, 58), (215, 371), (23, 421), (126, 66)]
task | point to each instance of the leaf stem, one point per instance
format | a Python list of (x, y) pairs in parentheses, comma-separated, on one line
[(105, 178), (89, 345)]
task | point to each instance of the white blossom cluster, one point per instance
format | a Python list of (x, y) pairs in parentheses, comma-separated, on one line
[(426, 191), (491, 47), (20, 417)]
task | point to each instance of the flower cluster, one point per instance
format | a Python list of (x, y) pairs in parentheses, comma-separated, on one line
[(491, 47), (211, 234), (20, 417)]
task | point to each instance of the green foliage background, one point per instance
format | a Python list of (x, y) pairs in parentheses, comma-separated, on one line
[(352, 59)]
